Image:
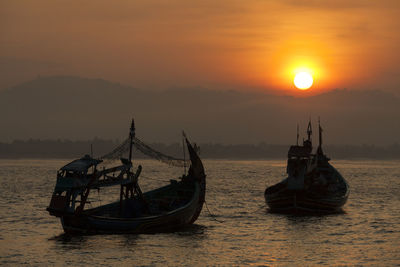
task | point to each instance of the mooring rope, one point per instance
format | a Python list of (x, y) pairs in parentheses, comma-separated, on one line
[(212, 215), (260, 208)]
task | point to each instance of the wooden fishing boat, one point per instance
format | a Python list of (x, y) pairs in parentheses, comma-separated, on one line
[(313, 185), (164, 209)]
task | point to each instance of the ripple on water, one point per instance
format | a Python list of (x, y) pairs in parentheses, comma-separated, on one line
[(368, 233)]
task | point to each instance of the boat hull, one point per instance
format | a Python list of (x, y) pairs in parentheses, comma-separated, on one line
[(164, 209), (165, 222), (300, 202)]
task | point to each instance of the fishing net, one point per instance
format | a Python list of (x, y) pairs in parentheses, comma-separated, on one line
[(146, 150), (117, 153)]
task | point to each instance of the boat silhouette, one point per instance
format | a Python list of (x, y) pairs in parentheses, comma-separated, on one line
[(313, 185), (164, 209)]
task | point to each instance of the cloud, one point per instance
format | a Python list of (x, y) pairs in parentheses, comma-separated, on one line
[(337, 4)]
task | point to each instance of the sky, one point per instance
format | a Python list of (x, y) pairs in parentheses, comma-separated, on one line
[(242, 45)]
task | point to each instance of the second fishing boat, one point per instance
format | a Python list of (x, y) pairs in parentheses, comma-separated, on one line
[(313, 184)]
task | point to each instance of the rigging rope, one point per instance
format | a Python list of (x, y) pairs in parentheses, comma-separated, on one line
[(145, 149), (117, 152)]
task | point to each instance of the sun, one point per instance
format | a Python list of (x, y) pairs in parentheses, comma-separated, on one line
[(303, 80)]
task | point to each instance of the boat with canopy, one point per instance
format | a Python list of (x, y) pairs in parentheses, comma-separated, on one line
[(164, 209)]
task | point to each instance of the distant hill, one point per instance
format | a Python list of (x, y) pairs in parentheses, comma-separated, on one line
[(77, 108)]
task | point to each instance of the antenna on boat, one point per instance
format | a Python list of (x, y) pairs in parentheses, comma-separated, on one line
[(309, 130), (297, 141), (184, 154), (320, 132), (320, 136), (131, 136)]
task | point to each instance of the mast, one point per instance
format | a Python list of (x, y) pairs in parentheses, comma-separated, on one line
[(297, 141), (131, 136)]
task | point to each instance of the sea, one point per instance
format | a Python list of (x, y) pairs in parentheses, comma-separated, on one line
[(234, 227)]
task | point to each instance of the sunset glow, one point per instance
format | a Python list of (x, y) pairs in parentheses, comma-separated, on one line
[(162, 105), (195, 44)]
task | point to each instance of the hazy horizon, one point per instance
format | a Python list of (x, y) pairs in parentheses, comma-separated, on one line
[(77, 108)]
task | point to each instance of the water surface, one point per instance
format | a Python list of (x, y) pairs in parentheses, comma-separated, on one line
[(241, 232)]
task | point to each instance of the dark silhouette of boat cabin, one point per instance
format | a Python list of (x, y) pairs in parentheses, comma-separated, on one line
[(161, 210), (313, 185)]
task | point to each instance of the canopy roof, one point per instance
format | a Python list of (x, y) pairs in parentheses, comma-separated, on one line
[(82, 164)]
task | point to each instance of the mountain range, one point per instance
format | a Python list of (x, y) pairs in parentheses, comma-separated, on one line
[(76, 108)]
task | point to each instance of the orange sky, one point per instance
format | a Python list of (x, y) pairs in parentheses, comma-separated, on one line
[(248, 45)]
